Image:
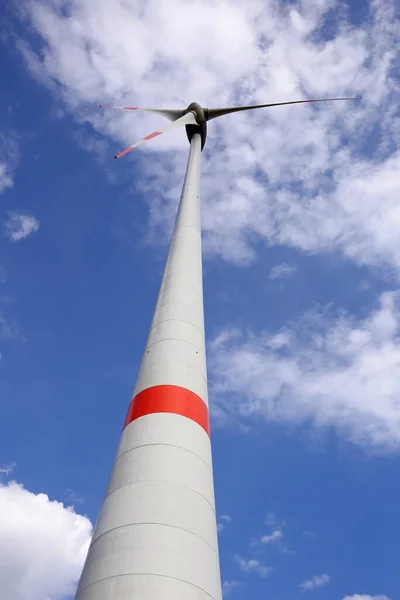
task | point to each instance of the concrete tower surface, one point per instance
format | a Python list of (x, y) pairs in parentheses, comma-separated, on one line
[(156, 535)]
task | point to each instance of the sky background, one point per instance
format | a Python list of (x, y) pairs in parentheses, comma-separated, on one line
[(301, 221)]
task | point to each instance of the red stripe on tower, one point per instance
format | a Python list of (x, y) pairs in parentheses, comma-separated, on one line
[(169, 399)]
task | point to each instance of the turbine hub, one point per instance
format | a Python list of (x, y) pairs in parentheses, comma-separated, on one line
[(201, 117)]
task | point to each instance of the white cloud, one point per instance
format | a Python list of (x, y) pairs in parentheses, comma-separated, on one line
[(252, 565), (276, 536), (333, 371), (73, 497), (316, 581), (8, 160), (364, 285), (9, 330), (20, 226), (7, 469), (43, 545), (282, 271), (309, 535), (5, 177), (365, 597), (307, 176), (220, 525), (229, 586), (271, 520)]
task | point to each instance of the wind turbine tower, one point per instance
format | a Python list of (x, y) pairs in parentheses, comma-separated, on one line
[(156, 534)]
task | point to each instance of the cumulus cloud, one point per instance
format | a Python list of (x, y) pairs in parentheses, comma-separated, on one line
[(5, 177), (252, 565), (9, 329), (226, 518), (327, 369), (73, 497), (223, 520), (229, 586), (19, 226), (273, 538), (310, 535), (366, 597), (316, 581), (315, 177), (7, 469), (43, 545), (8, 160), (272, 521), (282, 271)]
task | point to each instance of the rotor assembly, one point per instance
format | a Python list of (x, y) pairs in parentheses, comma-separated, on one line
[(195, 117)]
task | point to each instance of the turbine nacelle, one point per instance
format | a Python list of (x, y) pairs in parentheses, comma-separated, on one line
[(195, 117), (201, 119)]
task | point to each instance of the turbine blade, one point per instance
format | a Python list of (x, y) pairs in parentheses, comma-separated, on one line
[(170, 114), (188, 119), (213, 113)]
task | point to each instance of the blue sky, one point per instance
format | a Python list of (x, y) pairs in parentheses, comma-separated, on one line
[(301, 272)]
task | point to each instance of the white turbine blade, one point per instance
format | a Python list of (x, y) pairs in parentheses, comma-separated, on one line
[(170, 114), (219, 112), (188, 119)]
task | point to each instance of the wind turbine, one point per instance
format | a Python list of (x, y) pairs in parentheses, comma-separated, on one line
[(156, 535)]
